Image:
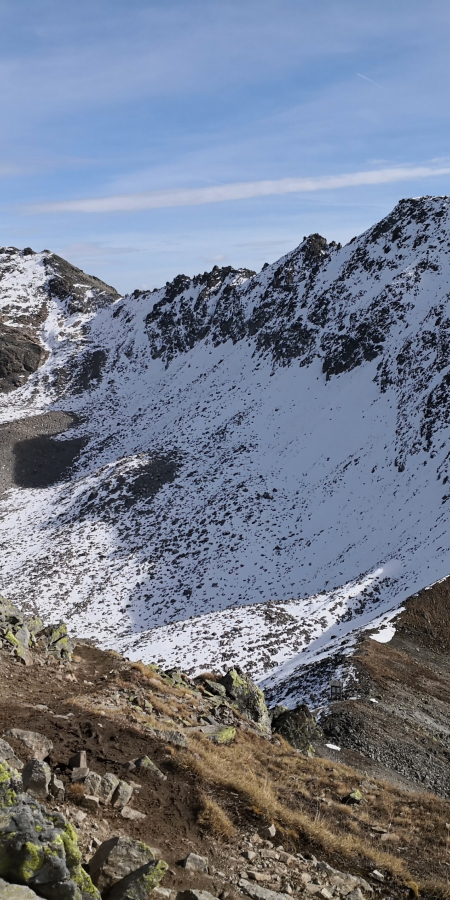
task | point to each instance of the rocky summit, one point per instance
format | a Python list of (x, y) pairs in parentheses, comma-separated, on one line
[(224, 542), (237, 468)]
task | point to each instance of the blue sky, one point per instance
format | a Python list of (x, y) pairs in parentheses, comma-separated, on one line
[(143, 139)]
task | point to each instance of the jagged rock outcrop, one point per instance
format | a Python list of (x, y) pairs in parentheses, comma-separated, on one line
[(248, 697), (21, 634)]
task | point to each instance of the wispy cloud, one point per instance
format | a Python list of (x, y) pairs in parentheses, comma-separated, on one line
[(368, 79), (241, 190)]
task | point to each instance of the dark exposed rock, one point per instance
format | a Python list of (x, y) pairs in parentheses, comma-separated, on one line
[(20, 355), (298, 726)]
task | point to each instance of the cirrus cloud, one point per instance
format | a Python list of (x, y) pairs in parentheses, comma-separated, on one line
[(240, 190)]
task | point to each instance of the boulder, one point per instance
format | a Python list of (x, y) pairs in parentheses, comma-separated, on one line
[(260, 893), (36, 746), (214, 687), (195, 863), (298, 726), (92, 784), (354, 797), (57, 788), (122, 795), (248, 697), (59, 642), (193, 894), (129, 813), (223, 735), (16, 892), (107, 786), (115, 859), (90, 802), (39, 848), (79, 774), (177, 738), (7, 755), (140, 883), (36, 777), (145, 763)]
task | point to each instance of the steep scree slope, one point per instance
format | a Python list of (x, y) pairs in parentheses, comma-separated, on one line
[(242, 438)]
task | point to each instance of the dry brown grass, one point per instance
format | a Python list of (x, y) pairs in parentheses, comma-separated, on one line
[(75, 791), (212, 817), (277, 784)]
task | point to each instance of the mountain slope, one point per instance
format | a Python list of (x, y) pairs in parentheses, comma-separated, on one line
[(239, 439)]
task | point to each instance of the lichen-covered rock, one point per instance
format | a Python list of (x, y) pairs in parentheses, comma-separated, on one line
[(115, 859), (39, 848), (298, 726), (248, 697), (140, 883), (59, 642), (223, 735)]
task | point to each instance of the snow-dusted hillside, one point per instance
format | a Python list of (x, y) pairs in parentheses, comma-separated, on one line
[(272, 446)]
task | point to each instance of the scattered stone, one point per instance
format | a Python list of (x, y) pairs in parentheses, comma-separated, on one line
[(354, 895), (269, 832), (195, 863), (144, 762), (115, 859), (177, 738), (7, 755), (194, 894), (92, 783), (326, 893), (128, 813), (107, 786), (36, 746), (353, 797), (122, 795), (260, 893), (57, 788), (140, 883), (78, 760), (36, 778), (378, 875), (224, 735), (16, 892), (90, 802), (249, 854)]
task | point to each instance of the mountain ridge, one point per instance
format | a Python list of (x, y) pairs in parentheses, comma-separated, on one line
[(247, 438)]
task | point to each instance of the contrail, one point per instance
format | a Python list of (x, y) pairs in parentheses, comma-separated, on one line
[(369, 79), (241, 190)]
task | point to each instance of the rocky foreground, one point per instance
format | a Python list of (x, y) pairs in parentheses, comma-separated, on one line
[(121, 781)]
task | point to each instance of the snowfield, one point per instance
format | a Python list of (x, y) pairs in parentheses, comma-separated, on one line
[(264, 470)]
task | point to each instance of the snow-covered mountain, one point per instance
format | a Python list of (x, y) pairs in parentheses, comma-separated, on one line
[(237, 467)]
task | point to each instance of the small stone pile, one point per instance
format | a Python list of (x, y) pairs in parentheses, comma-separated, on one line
[(22, 635)]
